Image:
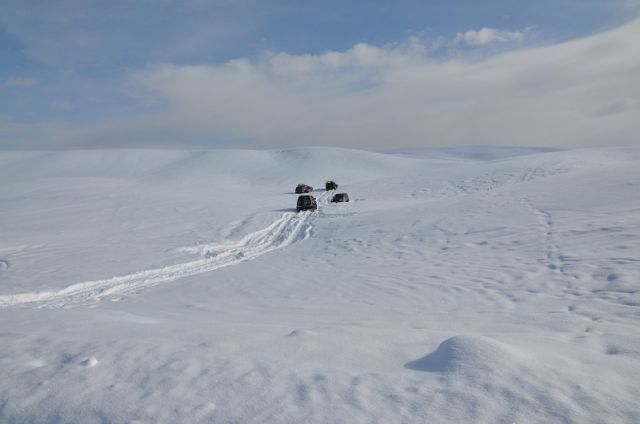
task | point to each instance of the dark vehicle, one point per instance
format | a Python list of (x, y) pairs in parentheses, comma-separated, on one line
[(307, 202), (303, 188), (340, 197), (330, 185)]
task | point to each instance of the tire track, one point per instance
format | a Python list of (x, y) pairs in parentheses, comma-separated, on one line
[(291, 227)]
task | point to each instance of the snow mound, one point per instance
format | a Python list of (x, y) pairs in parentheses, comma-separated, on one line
[(512, 386), (467, 353)]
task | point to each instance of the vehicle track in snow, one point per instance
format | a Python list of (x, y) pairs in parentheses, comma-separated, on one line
[(291, 227)]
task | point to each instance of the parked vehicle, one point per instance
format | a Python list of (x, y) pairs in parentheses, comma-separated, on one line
[(340, 197), (303, 188), (330, 185), (307, 202)]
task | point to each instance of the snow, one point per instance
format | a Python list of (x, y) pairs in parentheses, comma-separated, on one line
[(459, 285)]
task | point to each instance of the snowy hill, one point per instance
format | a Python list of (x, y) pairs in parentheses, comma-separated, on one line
[(464, 285)]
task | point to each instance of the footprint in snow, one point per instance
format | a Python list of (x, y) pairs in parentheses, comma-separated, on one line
[(89, 362)]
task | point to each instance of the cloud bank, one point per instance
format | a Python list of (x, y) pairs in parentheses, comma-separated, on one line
[(486, 36), (584, 92)]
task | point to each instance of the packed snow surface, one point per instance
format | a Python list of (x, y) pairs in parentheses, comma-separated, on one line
[(478, 285)]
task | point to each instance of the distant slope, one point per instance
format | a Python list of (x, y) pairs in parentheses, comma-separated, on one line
[(485, 153)]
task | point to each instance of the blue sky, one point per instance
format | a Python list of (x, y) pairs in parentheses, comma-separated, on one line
[(286, 73)]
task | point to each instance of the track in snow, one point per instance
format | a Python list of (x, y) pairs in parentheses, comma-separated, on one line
[(286, 230)]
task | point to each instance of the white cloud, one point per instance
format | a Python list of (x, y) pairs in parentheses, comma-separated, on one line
[(486, 36), (579, 93), (379, 97)]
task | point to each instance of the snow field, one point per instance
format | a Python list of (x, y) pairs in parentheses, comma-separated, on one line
[(452, 288)]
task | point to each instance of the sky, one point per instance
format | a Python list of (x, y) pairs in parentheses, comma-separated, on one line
[(375, 75)]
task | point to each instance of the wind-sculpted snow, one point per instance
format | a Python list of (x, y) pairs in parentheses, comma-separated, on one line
[(289, 228)]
